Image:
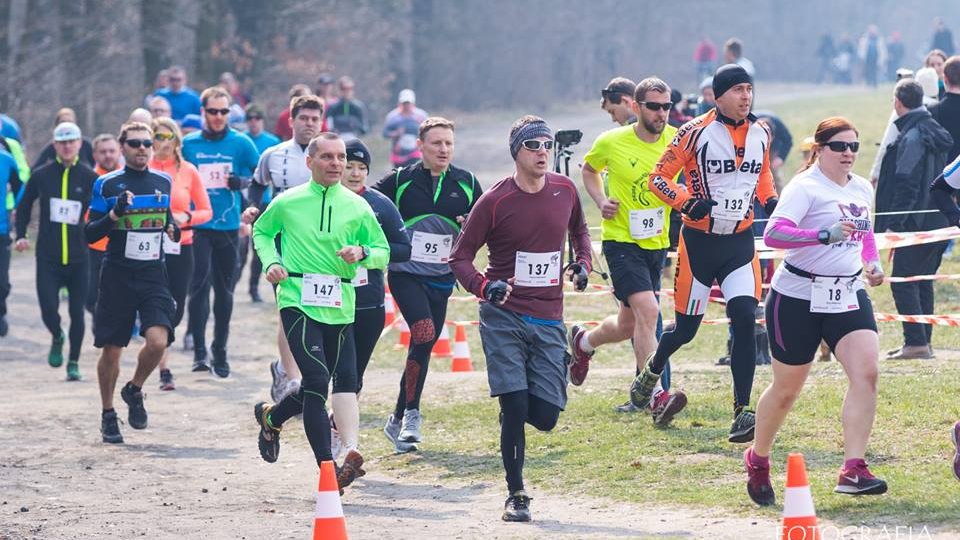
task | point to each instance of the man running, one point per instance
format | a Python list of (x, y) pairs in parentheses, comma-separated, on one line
[(523, 220), (63, 188), (315, 291), (433, 197), (282, 167), (132, 207), (726, 157), (226, 160), (636, 235), (9, 183)]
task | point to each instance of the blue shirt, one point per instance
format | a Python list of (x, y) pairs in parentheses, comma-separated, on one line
[(264, 140), (181, 103), (8, 170), (235, 152), (10, 129)]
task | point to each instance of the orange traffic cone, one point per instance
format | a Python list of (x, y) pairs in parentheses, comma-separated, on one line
[(390, 310), (461, 351), (442, 348), (404, 340), (328, 521), (799, 517)]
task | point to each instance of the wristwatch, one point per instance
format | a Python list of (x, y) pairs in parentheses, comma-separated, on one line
[(366, 252), (823, 237)]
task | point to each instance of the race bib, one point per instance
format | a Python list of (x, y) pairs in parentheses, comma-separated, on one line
[(646, 223), (143, 246), (731, 204), (537, 269), (833, 295), (362, 277), (321, 290), (65, 211), (214, 175), (170, 247), (431, 248)]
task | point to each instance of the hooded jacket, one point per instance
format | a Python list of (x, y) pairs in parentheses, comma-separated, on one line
[(914, 159)]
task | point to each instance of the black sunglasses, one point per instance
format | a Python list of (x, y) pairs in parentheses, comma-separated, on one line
[(534, 145), (612, 96), (221, 112), (657, 106), (137, 143), (840, 146)]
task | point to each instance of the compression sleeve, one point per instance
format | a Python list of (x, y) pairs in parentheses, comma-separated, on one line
[(781, 233)]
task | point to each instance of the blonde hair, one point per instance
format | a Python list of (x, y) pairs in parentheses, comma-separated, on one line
[(171, 125)]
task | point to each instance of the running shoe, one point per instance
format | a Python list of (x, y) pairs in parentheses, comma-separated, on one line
[(336, 444), (955, 434), (279, 380), (166, 380), (268, 440), (517, 507), (392, 429), (73, 370), (741, 430), (858, 480), (666, 405), (641, 390), (759, 487), (200, 363), (292, 387), (351, 469), (410, 429), (580, 360), (55, 356), (911, 352), (220, 365), (137, 415), (110, 428), (4, 327), (627, 407)]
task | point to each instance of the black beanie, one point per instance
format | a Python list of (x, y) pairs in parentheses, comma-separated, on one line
[(357, 151), (728, 76)]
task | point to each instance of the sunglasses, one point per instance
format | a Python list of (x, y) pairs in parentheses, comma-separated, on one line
[(137, 143), (534, 145), (840, 146), (650, 105), (163, 136), (217, 112), (611, 95)]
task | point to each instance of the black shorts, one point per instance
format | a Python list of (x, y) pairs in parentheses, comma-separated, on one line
[(795, 333), (632, 268), (124, 293)]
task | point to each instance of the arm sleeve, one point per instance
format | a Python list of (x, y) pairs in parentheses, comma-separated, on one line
[(781, 233), (869, 253), (396, 233), (580, 234), (201, 211), (371, 236), (472, 237), (662, 180), (98, 223), (25, 208), (265, 230)]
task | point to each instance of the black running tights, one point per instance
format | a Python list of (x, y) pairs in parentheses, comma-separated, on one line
[(517, 409)]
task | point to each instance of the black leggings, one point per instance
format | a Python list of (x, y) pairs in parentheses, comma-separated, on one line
[(93, 282), (742, 312), (425, 309), (179, 275), (517, 409), (215, 262), (367, 326), (256, 267), (51, 276), (318, 349)]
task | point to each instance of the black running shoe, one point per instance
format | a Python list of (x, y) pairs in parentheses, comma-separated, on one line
[(269, 438), (133, 397), (200, 363), (220, 365), (517, 507), (110, 428), (742, 429)]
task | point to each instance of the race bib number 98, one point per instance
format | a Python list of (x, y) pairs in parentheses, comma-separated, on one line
[(646, 223), (321, 290), (431, 248)]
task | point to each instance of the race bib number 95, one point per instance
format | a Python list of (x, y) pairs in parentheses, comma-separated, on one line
[(431, 248)]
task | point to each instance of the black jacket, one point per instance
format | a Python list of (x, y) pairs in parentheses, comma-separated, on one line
[(947, 114), (910, 164)]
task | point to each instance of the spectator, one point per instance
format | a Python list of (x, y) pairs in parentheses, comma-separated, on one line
[(825, 53), (183, 99), (159, 107), (936, 59), (872, 52), (947, 112), (347, 115), (843, 61), (895, 52), (49, 153), (733, 54), (677, 115), (927, 77), (942, 37), (890, 134), (704, 56), (706, 101), (282, 128), (229, 81), (617, 99), (909, 166), (261, 138), (401, 126)]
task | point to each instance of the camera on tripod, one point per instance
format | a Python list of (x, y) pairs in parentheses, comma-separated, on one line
[(563, 140), (568, 137)]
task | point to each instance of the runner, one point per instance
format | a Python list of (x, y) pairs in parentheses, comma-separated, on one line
[(190, 206), (10, 183), (523, 220), (315, 292), (62, 187), (433, 197), (636, 235), (369, 317), (132, 206), (823, 222), (225, 159), (726, 156), (282, 167)]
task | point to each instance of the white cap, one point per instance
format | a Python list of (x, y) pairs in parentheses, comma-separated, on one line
[(407, 96), (927, 77), (66, 131)]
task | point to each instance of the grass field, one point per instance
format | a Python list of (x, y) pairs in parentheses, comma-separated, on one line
[(596, 451)]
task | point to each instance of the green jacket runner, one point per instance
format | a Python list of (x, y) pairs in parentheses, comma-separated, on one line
[(314, 222)]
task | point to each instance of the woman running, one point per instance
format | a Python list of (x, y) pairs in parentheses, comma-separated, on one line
[(823, 223)]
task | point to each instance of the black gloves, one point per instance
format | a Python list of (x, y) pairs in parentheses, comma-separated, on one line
[(176, 231), (120, 207), (495, 292), (697, 209), (579, 275), (770, 205), (234, 182)]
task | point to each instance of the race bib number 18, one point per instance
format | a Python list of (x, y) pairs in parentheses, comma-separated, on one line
[(143, 246), (431, 248), (832, 295), (321, 290), (537, 269)]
